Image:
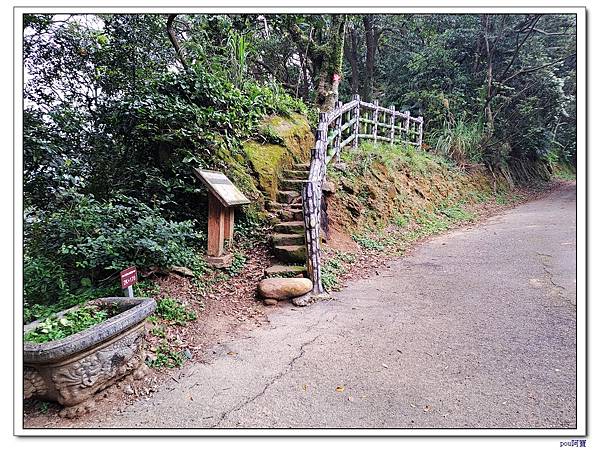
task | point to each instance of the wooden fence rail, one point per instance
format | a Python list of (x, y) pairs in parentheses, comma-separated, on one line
[(344, 126)]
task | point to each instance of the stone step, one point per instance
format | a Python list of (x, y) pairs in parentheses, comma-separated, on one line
[(296, 174), (301, 166), (287, 239), (291, 185), (290, 214), (290, 253), (289, 197), (293, 227), (272, 206), (285, 271)]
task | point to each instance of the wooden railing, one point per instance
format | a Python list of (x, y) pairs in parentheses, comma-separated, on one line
[(344, 126)]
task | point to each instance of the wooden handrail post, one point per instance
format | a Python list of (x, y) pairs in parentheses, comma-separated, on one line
[(356, 127), (375, 119), (392, 123), (407, 128), (420, 138), (338, 128), (322, 129)]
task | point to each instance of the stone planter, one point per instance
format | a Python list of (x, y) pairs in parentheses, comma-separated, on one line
[(71, 370)]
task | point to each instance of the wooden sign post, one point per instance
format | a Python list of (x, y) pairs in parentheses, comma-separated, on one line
[(223, 196)]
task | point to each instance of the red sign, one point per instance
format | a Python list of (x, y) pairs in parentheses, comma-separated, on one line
[(336, 77), (128, 277)]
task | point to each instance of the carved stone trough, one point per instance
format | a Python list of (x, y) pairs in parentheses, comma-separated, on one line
[(71, 370)]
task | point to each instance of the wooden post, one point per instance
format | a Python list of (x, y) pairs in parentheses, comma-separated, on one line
[(407, 129), (392, 122), (216, 226), (355, 128), (375, 119), (338, 128), (420, 138), (229, 216)]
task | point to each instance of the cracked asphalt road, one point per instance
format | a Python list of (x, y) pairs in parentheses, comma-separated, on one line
[(475, 329)]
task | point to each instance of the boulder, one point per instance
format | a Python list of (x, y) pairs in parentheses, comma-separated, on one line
[(284, 288)]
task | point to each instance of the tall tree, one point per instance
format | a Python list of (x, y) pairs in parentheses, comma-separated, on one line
[(322, 40)]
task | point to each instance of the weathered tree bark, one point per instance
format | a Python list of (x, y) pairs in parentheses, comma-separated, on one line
[(372, 36), (326, 59), (351, 53)]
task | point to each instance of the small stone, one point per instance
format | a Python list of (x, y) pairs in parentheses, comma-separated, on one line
[(128, 389), (187, 353), (270, 301), (182, 271), (302, 300), (328, 187), (284, 288)]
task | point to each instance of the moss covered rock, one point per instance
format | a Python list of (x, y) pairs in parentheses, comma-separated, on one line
[(290, 141)]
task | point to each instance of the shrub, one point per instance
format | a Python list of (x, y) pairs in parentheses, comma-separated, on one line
[(76, 251)]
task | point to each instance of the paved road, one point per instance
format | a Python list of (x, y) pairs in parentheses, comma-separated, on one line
[(475, 329)]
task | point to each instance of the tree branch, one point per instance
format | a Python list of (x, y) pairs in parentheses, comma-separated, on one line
[(174, 41), (534, 69)]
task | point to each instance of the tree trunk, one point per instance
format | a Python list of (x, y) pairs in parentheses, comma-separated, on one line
[(370, 39), (329, 75), (351, 53)]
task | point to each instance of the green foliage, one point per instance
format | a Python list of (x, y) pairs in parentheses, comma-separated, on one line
[(457, 213), (237, 265), (368, 242), (146, 288), (73, 253), (334, 267), (172, 311), (564, 172), (55, 328), (158, 331), (165, 356), (460, 141), (43, 407)]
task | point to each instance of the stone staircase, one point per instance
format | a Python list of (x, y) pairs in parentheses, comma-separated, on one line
[(288, 230)]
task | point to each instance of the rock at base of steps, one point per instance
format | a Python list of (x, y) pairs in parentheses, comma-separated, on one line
[(307, 299), (284, 288), (284, 271), (270, 301), (290, 253)]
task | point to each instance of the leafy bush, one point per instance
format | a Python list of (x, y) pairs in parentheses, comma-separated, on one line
[(75, 252)]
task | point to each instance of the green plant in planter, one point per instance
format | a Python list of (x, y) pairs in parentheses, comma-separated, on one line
[(54, 327)]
